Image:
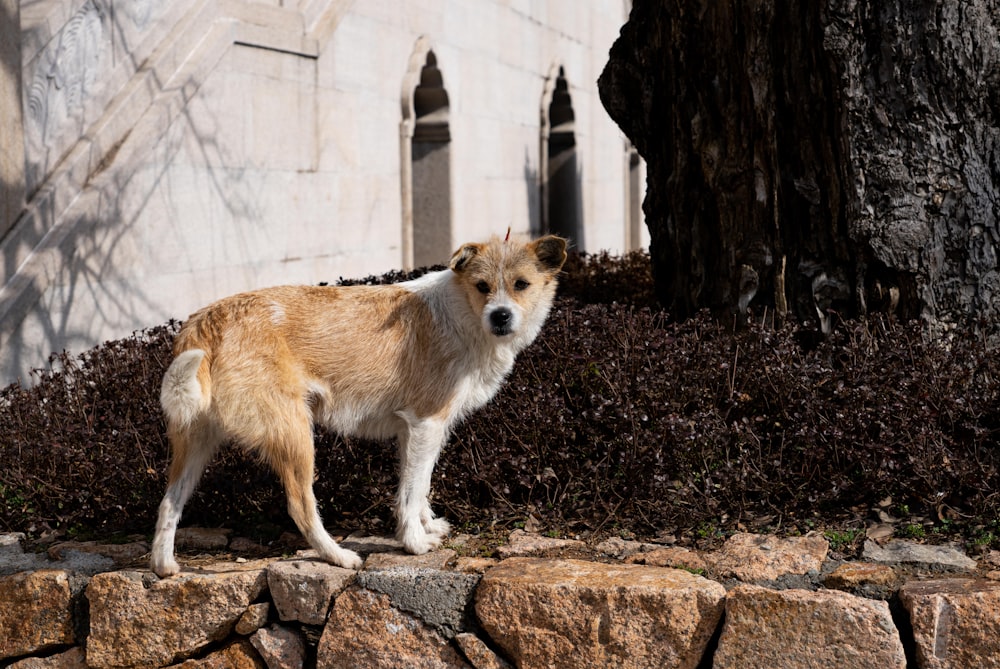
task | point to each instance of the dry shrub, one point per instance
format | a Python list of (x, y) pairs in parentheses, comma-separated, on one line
[(616, 419)]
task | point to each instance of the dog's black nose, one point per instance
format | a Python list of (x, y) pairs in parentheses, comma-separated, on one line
[(500, 321)]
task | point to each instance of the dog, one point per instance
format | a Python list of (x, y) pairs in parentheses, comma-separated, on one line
[(407, 360)]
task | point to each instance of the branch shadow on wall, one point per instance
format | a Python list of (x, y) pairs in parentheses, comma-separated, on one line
[(95, 265)]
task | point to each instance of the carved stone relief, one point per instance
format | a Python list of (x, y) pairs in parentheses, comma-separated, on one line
[(66, 75)]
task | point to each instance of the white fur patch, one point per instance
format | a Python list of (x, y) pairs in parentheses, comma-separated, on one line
[(277, 314), (180, 393)]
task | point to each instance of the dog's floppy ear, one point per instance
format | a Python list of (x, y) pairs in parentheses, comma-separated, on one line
[(462, 257), (550, 251)]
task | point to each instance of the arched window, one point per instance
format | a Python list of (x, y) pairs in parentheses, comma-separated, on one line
[(562, 210), (426, 162)]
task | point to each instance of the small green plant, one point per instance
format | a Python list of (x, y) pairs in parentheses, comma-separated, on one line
[(841, 539), (11, 498), (913, 531), (708, 530), (984, 538), (945, 527), (697, 571)]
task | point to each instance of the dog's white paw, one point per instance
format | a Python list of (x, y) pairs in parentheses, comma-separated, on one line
[(437, 527), (345, 558), (164, 567), (418, 542)]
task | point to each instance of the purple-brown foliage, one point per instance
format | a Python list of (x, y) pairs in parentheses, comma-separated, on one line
[(615, 419)]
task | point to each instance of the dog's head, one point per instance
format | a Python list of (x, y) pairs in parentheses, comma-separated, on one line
[(511, 283)]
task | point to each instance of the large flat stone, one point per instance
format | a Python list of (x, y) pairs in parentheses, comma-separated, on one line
[(202, 538), (137, 619), (366, 632), (756, 558), (907, 552), (36, 611), (119, 553), (956, 622), (13, 559), (523, 544), (570, 613), (433, 560), (781, 629)]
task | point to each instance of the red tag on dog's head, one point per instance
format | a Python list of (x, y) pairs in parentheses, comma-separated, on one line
[(507, 238)]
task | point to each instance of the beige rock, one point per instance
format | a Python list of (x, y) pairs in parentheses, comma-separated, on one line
[(899, 551), (246, 545), (120, 553), (475, 565), (753, 558), (669, 556), (799, 628), (280, 647), (74, 658), (303, 589), (253, 618), (220, 566), (620, 548), (478, 653), (365, 631), (136, 619), (10, 543), (36, 611), (570, 613), (202, 538), (434, 560), (956, 622), (367, 544), (521, 544), (237, 655), (855, 575)]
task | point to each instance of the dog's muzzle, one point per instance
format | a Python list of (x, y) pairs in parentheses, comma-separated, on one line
[(501, 321)]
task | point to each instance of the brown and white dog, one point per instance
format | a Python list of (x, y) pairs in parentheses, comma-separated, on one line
[(407, 360)]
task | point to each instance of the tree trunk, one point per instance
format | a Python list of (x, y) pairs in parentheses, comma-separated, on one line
[(817, 156)]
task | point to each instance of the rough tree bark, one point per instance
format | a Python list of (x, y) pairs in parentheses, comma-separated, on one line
[(817, 155)]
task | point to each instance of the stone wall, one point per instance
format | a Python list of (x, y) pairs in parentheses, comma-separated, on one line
[(758, 601)]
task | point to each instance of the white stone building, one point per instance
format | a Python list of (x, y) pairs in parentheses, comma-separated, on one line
[(157, 155)]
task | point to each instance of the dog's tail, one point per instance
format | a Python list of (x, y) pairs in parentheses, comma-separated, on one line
[(186, 392)]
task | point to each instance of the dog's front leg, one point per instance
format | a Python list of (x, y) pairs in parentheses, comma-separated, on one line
[(420, 443)]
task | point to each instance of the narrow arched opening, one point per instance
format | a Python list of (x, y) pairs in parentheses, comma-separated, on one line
[(561, 200), (427, 172)]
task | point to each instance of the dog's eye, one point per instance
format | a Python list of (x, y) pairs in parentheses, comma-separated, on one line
[(483, 287), (521, 284)]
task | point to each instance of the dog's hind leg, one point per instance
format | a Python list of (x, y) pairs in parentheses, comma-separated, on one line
[(192, 447), (294, 464), (419, 446)]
